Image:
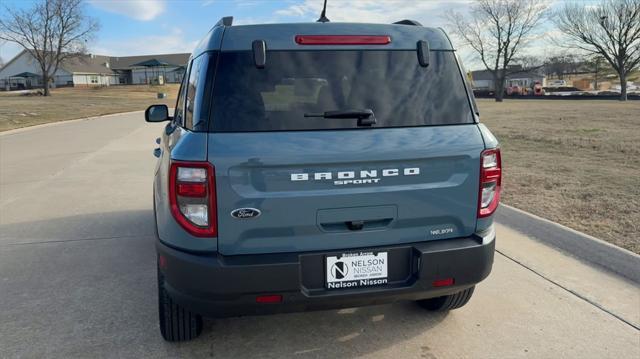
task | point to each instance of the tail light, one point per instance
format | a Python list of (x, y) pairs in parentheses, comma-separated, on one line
[(192, 196), (343, 39), (490, 182)]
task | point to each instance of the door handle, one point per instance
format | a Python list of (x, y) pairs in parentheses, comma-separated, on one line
[(355, 225)]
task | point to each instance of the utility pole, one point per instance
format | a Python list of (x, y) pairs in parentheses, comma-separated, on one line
[(595, 86), (2, 42)]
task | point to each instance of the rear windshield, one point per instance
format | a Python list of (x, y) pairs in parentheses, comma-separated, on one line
[(392, 84)]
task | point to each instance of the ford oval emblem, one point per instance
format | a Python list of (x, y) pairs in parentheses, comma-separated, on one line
[(245, 213)]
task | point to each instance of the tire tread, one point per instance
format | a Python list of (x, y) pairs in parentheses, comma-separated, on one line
[(448, 302), (176, 323)]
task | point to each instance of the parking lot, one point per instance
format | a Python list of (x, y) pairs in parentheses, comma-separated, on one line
[(77, 275)]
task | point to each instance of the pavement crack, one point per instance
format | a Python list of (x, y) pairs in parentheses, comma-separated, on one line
[(79, 240), (576, 294)]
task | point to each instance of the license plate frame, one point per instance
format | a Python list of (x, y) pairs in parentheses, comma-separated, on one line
[(356, 270)]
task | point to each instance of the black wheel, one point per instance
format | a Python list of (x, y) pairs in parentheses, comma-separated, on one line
[(447, 302), (177, 324)]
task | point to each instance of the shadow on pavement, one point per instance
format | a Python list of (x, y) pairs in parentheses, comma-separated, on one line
[(98, 298)]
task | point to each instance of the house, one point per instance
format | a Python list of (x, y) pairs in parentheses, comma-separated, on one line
[(23, 71), (525, 79), (483, 80), (148, 68)]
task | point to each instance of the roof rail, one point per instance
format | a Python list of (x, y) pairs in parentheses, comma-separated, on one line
[(225, 21), (407, 22)]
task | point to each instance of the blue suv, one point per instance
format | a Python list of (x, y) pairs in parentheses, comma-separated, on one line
[(321, 165)]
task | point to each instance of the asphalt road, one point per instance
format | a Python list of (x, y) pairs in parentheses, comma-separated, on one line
[(77, 275)]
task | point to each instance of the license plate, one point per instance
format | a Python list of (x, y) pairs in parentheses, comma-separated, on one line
[(352, 270)]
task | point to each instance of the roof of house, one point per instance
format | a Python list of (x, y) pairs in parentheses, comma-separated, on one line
[(524, 74), (26, 75), (92, 64), (127, 62), (152, 63)]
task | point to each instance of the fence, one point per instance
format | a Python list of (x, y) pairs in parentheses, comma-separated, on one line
[(81, 80), (77, 80)]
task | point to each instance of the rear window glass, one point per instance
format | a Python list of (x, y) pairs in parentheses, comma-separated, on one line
[(294, 83)]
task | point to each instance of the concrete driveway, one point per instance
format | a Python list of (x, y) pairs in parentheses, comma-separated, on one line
[(77, 275)]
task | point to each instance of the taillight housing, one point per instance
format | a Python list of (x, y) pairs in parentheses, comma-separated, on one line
[(192, 197), (490, 182)]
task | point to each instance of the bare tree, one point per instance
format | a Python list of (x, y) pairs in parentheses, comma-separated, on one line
[(50, 31), (497, 30), (562, 64), (600, 68), (529, 63), (611, 29)]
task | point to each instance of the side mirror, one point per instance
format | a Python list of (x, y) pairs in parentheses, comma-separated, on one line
[(157, 113)]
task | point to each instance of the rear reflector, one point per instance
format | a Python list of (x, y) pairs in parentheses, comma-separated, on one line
[(343, 39), (269, 299), (443, 282)]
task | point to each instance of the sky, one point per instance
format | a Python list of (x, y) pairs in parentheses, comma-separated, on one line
[(141, 27)]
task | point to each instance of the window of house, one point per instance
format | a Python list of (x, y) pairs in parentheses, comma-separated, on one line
[(93, 79)]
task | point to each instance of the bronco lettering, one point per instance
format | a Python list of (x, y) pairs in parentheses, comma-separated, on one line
[(355, 177)]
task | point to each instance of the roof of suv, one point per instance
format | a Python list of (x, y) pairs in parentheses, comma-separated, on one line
[(282, 36)]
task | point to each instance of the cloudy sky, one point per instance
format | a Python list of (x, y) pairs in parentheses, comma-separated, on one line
[(139, 27)]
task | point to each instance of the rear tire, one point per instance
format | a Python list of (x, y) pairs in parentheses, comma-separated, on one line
[(177, 324), (447, 302)]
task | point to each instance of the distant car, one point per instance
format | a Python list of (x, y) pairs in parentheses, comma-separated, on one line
[(557, 83), (321, 165)]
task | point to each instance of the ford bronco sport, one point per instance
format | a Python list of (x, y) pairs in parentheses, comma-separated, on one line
[(321, 165)]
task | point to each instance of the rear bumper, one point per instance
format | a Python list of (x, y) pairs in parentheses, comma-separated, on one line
[(222, 286)]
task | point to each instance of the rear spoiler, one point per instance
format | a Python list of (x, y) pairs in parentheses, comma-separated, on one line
[(225, 21)]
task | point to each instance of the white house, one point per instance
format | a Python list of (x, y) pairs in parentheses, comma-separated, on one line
[(94, 70), (483, 80)]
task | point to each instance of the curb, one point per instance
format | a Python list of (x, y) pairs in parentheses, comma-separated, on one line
[(50, 124), (572, 242)]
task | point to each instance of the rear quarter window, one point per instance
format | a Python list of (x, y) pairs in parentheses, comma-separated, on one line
[(391, 83), (198, 92)]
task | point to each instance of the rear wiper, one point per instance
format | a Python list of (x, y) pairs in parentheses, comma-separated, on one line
[(365, 117)]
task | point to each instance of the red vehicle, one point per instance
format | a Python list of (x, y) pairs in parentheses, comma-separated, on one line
[(538, 90)]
